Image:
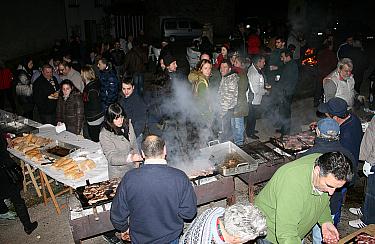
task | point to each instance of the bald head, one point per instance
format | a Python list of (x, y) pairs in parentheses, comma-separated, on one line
[(153, 147)]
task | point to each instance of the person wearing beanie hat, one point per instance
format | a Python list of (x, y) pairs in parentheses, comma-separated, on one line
[(170, 62), (327, 140), (223, 55)]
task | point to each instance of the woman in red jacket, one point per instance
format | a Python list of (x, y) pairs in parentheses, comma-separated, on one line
[(253, 43)]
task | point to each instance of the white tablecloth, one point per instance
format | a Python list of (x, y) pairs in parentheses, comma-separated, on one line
[(98, 174)]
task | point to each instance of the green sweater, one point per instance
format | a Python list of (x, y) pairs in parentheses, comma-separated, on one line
[(290, 204)]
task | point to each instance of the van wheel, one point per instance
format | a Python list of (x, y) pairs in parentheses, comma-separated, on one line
[(172, 38)]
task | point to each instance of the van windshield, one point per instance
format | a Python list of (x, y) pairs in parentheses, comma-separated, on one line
[(183, 24), (170, 25)]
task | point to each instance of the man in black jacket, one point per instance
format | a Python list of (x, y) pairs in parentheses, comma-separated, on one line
[(152, 201), (285, 89), (134, 107), (43, 89)]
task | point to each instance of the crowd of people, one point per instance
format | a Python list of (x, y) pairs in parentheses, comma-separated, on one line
[(101, 97)]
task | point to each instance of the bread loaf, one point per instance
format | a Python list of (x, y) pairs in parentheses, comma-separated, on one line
[(87, 165)]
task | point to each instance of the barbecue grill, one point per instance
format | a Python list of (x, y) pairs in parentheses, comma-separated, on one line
[(269, 161)]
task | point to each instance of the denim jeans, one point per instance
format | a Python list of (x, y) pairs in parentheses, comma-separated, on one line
[(317, 233), (238, 128), (138, 79), (175, 241), (368, 208)]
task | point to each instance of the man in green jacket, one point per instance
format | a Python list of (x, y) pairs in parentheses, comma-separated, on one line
[(297, 197)]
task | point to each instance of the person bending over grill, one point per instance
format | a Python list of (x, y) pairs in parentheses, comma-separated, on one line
[(327, 140), (297, 197), (235, 224)]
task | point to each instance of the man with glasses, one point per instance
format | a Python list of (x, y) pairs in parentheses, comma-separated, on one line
[(297, 197), (67, 72)]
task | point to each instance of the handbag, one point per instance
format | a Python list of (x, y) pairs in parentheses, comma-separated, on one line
[(14, 174)]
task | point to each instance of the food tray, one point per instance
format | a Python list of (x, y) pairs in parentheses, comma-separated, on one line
[(355, 239), (18, 128), (69, 147), (220, 153), (279, 144), (85, 202), (262, 153)]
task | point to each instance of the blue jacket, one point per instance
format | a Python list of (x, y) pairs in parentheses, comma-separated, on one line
[(351, 136), (156, 198), (109, 86), (322, 145), (136, 110)]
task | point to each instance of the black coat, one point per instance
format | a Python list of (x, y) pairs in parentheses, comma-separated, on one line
[(288, 79), (5, 160), (91, 101), (42, 88), (136, 110)]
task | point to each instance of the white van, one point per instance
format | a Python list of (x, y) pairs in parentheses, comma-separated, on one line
[(173, 28)]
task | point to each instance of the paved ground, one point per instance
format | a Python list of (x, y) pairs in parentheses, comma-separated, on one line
[(55, 229)]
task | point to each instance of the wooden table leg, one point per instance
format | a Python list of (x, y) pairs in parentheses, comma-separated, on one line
[(251, 193), (45, 200), (45, 179), (33, 180)]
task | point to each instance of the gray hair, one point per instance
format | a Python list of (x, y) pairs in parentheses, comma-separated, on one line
[(245, 222), (345, 61)]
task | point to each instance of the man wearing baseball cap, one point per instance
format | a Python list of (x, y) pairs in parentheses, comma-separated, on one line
[(350, 127), (327, 140)]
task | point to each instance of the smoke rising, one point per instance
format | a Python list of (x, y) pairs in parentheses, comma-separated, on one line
[(180, 108)]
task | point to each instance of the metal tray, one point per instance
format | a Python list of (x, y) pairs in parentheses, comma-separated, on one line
[(219, 153), (68, 146), (85, 202), (18, 128), (277, 143)]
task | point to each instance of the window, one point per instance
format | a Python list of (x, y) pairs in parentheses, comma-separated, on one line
[(170, 25), (183, 24), (99, 3), (73, 3)]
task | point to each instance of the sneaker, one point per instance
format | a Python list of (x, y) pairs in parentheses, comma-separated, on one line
[(112, 239), (31, 228), (356, 211), (357, 224), (8, 215)]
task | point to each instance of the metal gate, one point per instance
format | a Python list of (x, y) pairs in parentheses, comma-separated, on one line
[(125, 25)]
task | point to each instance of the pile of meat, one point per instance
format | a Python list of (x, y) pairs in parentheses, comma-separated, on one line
[(232, 160), (192, 174), (297, 142), (362, 238), (102, 191)]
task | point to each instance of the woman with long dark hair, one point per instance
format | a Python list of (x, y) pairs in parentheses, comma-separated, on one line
[(119, 145), (69, 108), (118, 141)]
